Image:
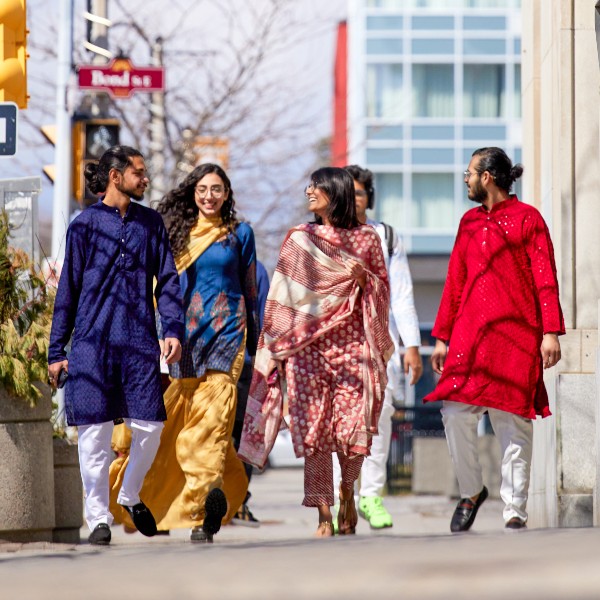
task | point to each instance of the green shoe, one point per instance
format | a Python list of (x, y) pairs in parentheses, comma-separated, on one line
[(334, 518), (373, 510)]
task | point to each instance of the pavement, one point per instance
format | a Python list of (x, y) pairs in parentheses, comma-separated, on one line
[(417, 558)]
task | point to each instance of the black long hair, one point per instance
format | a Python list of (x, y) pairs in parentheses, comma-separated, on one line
[(339, 186), (179, 210), (365, 177), (116, 157), (496, 162)]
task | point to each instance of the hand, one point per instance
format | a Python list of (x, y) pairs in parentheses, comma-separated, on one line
[(171, 350), (550, 350), (438, 358), (54, 370), (356, 271), (412, 361), (275, 364)]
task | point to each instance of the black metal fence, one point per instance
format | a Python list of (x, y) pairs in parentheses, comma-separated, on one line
[(408, 423)]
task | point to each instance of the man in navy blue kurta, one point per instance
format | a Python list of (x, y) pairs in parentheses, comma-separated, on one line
[(116, 252)]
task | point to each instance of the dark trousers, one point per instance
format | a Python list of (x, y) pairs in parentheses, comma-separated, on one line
[(243, 389)]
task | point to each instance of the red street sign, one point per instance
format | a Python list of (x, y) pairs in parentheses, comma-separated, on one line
[(120, 78)]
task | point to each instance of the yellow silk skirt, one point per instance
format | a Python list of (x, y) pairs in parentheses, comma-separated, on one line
[(195, 455)]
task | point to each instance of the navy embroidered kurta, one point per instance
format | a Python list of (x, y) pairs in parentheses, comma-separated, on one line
[(105, 299), (220, 296)]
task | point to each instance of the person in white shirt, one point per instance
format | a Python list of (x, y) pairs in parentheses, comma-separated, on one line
[(403, 323)]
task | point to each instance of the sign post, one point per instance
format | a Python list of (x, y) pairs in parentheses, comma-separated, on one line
[(8, 128), (120, 78)]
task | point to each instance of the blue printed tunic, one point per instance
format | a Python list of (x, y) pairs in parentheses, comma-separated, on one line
[(105, 299), (220, 296)]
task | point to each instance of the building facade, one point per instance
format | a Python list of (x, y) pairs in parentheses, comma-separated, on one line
[(428, 82)]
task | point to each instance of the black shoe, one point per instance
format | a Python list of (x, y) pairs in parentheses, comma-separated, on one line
[(515, 524), (215, 509), (142, 518), (466, 511), (101, 535), (245, 517), (198, 535)]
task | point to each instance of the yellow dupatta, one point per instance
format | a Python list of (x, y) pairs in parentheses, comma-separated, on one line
[(203, 234)]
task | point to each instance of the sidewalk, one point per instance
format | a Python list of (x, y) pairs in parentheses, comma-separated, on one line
[(417, 558)]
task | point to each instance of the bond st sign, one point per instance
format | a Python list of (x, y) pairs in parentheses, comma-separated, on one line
[(120, 78)]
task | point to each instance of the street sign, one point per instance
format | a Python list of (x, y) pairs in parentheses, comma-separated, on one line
[(8, 128), (120, 78)]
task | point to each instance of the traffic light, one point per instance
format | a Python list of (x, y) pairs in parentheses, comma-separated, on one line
[(13, 52), (91, 139)]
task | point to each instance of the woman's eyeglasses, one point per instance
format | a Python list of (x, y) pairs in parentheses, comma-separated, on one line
[(310, 188), (216, 191)]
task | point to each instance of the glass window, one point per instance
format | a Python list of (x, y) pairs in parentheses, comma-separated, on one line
[(384, 23), (484, 132), (384, 91), (478, 47), (385, 156), (433, 156), (389, 202), (518, 46), (385, 132), (432, 132), (518, 99), (419, 22), (432, 46), (432, 203), (384, 46), (433, 90), (484, 91), (484, 23)]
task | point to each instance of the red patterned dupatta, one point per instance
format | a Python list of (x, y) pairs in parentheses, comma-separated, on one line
[(311, 293)]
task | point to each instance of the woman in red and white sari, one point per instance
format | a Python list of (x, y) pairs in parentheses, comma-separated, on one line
[(326, 331)]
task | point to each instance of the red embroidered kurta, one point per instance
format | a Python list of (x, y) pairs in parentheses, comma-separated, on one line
[(500, 297)]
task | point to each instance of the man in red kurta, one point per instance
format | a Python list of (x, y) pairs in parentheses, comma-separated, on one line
[(501, 315)]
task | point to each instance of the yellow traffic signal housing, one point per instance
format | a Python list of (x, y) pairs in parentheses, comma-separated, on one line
[(91, 139), (13, 52)]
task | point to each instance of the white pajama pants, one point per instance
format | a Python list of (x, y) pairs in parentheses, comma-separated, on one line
[(95, 456), (373, 474), (515, 435)]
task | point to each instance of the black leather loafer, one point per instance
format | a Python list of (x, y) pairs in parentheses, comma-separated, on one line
[(101, 535), (466, 511), (142, 518)]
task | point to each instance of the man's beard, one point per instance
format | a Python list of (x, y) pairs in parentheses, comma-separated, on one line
[(478, 194), (132, 193)]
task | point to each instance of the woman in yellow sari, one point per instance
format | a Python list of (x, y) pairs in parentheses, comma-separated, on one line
[(196, 480)]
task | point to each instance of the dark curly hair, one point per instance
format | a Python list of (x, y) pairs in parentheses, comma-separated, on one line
[(116, 157), (179, 209)]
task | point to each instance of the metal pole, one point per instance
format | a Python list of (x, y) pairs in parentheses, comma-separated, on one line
[(157, 133), (62, 183)]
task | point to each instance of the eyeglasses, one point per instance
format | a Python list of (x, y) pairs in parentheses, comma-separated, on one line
[(360, 193), (310, 188), (467, 174), (216, 191)]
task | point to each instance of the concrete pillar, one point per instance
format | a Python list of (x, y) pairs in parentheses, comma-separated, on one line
[(26, 470), (561, 128)]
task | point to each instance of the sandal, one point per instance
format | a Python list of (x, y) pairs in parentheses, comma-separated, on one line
[(325, 529), (347, 515)]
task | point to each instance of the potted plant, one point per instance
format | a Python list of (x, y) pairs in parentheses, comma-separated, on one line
[(26, 471)]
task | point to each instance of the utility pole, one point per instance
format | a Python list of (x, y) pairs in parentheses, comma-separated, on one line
[(62, 186), (158, 187)]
